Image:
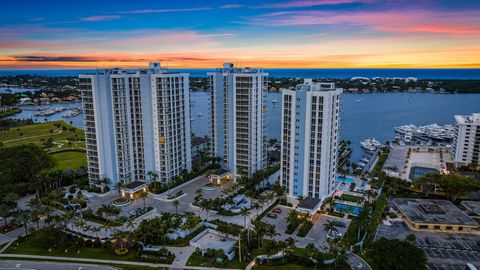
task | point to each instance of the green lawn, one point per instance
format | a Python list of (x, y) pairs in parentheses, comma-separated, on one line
[(70, 160), (28, 247), (39, 133), (199, 260), (351, 198)]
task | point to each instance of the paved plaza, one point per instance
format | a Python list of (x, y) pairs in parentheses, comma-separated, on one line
[(316, 235)]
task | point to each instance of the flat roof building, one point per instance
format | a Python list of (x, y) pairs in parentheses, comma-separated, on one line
[(136, 121), (309, 141), (239, 125), (466, 147), (435, 215)]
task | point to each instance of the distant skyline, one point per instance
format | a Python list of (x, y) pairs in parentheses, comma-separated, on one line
[(267, 34)]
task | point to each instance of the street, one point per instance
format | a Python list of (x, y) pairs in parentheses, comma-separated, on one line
[(41, 265)]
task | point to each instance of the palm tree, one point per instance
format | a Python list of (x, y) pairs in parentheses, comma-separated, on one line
[(24, 218), (330, 226), (144, 196), (244, 212), (205, 205), (176, 203), (4, 213), (119, 186), (153, 178), (130, 224), (10, 199)]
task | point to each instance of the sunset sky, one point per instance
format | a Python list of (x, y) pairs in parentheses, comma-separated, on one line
[(198, 34)]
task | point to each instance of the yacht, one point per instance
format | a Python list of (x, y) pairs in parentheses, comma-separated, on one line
[(370, 144)]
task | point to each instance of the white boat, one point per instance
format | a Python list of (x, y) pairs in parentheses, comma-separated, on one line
[(199, 114), (358, 100), (370, 144), (275, 101)]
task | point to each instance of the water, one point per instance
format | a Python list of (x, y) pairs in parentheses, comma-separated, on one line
[(349, 209), (421, 73), (374, 116), (347, 180)]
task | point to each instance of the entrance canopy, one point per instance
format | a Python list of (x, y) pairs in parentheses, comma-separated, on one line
[(133, 187)]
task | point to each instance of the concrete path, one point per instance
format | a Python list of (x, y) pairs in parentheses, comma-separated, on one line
[(39, 265), (181, 255), (37, 257)]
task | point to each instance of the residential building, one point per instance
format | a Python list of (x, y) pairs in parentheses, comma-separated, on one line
[(200, 145), (466, 147), (136, 121), (309, 141), (238, 111)]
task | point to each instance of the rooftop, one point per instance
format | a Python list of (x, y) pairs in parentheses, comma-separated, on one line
[(309, 203), (153, 68), (229, 68), (426, 211), (220, 172), (134, 185), (468, 119), (310, 85)]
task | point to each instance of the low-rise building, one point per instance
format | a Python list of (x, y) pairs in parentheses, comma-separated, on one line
[(434, 215)]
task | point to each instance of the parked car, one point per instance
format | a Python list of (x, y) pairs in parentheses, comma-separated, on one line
[(271, 215), (277, 210)]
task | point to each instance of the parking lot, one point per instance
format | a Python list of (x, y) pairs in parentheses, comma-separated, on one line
[(444, 250)]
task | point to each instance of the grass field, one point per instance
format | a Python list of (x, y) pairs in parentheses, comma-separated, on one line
[(39, 133), (30, 248), (70, 160), (351, 198)]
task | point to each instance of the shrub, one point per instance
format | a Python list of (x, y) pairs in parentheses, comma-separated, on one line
[(72, 189), (121, 251)]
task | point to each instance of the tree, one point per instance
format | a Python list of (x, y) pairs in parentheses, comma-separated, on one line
[(153, 179), (427, 183), (4, 213), (199, 192), (397, 255), (143, 195), (244, 212), (330, 226), (176, 203), (10, 199), (119, 186), (21, 163), (23, 219), (456, 185)]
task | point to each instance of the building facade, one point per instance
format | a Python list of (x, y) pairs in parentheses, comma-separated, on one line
[(466, 147), (136, 121), (238, 115), (309, 141)]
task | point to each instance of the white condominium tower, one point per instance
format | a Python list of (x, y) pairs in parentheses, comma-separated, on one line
[(136, 121), (309, 140), (238, 110), (466, 148)]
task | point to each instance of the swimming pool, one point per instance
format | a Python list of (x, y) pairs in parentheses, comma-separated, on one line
[(345, 179), (417, 172), (347, 209)]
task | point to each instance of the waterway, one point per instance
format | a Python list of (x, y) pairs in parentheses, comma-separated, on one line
[(362, 115)]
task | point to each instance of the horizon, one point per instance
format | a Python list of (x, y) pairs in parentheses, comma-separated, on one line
[(272, 34)]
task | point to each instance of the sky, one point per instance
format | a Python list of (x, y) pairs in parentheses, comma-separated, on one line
[(203, 34)]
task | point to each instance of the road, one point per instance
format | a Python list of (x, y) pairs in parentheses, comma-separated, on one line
[(34, 265), (357, 263)]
